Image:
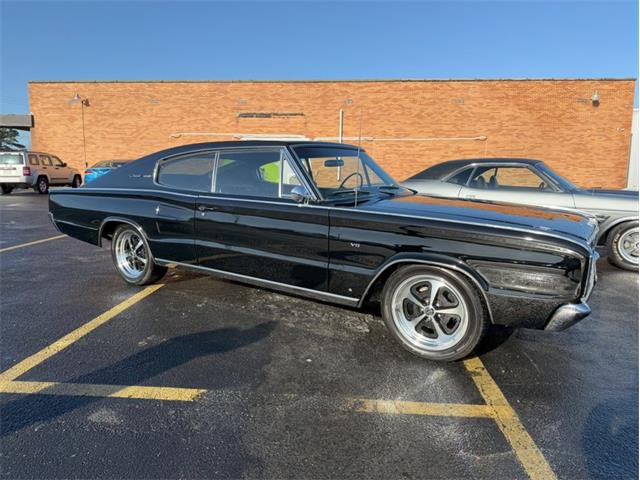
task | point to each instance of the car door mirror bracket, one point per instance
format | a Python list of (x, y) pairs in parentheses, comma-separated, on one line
[(300, 195)]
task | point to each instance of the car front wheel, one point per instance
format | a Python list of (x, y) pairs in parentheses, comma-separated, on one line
[(433, 313), (77, 181), (622, 246), (132, 257), (6, 189)]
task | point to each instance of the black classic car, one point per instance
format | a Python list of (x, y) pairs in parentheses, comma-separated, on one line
[(324, 221)]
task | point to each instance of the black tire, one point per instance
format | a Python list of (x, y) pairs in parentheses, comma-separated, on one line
[(456, 290), (42, 185), (76, 182), (617, 238), (150, 273), (7, 189)]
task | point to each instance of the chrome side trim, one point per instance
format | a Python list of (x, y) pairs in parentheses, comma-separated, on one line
[(442, 266), (260, 282), (353, 210), (73, 224), (54, 221)]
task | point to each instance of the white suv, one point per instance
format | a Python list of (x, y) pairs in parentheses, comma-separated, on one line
[(37, 170)]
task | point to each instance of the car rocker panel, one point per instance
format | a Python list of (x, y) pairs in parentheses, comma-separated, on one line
[(441, 269)]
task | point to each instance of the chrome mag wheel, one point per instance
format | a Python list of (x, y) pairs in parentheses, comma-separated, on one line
[(628, 245), (131, 256), (430, 312)]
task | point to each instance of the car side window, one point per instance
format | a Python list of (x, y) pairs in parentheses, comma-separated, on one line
[(56, 161), (188, 172), (460, 178), (508, 178), (255, 173), (45, 160), (33, 159)]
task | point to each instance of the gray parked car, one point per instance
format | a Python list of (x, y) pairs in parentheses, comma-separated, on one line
[(531, 182), (37, 170)]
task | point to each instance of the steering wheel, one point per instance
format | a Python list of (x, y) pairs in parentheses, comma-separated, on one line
[(352, 174)]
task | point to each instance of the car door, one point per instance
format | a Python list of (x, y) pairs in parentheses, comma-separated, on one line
[(514, 183), (248, 224), (46, 167), (60, 172), (171, 225)]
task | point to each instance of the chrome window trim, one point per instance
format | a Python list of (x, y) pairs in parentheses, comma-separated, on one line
[(352, 301), (156, 168), (475, 165), (352, 210)]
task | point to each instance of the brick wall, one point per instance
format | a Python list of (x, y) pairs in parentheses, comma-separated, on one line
[(413, 124)]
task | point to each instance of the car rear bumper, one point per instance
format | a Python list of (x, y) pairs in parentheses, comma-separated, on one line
[(571, 313), (567, 315), (17, 181)]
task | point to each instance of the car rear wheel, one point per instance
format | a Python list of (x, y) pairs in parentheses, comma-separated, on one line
[(433, 313), (77, 181), (622, 246), (132, 257), (42, 185), (6, 189)]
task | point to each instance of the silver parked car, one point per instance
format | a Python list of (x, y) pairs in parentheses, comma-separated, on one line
[(531, 182), (37, 170)]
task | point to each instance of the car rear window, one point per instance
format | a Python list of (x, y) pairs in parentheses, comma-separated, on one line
[(11, 159), (189, 172)]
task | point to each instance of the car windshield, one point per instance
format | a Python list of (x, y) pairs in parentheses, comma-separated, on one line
[(340, 171), (563, 182), (103, 164)]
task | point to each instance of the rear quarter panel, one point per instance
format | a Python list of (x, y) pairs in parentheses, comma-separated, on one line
[(166, 218)]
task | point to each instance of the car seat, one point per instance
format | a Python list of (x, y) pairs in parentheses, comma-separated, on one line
[(493, 182)]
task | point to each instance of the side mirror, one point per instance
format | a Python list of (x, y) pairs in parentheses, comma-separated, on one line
[(64, 164), (300, 194)]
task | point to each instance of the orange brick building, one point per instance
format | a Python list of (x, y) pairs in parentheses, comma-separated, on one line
[(406, 125)]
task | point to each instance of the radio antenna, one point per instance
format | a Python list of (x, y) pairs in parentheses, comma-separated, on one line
[(358, 155)]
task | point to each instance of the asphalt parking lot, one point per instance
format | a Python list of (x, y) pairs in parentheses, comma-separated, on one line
[(200, 378)]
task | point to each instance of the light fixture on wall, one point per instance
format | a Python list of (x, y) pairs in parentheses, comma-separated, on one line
[(84, 102), (595, 98)]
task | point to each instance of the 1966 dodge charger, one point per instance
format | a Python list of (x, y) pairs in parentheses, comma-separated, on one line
[(324, 221)]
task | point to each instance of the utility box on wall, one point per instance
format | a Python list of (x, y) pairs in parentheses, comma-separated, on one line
[(406, 125)]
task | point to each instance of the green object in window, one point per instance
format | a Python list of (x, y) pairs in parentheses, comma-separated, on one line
[(271, 172)]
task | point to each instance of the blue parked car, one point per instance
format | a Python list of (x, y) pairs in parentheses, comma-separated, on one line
[(102, 168)]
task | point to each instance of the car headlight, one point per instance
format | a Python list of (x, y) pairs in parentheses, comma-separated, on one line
[(530, 279)]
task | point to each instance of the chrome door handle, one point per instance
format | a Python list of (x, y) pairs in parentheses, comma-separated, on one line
[(204, 208)]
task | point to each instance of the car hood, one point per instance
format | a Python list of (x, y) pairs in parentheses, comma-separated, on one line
[(573, 226)]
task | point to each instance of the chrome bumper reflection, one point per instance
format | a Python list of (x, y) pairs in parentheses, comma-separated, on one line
[(567, 315)]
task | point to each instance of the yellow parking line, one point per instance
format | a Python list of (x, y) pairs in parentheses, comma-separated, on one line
[(105, 391), (49, 351), (419, 408), (8, 249), (507, 419)]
